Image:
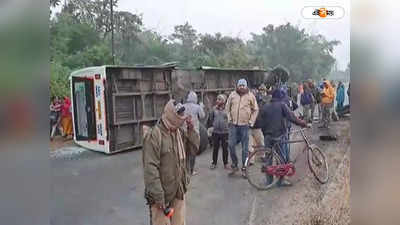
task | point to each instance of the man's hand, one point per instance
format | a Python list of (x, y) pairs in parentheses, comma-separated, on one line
[(302, 123), (159, 206), (189, 123)]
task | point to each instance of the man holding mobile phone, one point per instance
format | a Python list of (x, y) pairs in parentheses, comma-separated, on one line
[(165, 149)]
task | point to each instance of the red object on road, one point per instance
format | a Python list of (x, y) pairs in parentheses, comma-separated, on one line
[(281, 170)]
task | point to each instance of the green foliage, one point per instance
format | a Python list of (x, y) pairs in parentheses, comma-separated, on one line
[(184, 43), (59, 84), (223, 51), (69, 37), (73, 45), (148, 48), (306, 56), (80, 37), (186, 34)]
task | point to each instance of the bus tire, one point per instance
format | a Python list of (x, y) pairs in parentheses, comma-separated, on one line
[(203, 139)]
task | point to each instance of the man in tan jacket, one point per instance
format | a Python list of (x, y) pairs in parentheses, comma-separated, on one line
[(242, 109), (165, 169)]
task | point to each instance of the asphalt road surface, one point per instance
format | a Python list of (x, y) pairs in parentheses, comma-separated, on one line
[(90, 188)]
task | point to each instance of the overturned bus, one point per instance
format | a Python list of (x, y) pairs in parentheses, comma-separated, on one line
[(111, 104)]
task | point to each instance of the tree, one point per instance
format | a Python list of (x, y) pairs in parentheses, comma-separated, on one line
[(223, 51), (184, 41), (305, 56), (217, 44), (149, 48), (98, 14), (73, 45), (59, 85), (186, 34)]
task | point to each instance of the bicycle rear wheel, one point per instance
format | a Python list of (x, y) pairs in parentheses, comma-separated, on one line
[(255, 171), (318, 164)]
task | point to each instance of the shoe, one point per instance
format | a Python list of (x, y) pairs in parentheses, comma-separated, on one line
[(213, 166), (233, 170), (226, 167), (194, 173), (244, 172)]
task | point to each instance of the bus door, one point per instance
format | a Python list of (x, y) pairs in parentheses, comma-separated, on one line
[(84, 109)]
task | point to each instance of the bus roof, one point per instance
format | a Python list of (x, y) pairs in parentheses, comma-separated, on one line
[(231, 69), (171, 65), (98, 69)]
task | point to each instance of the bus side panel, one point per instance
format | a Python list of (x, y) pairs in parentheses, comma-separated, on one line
[(134, 97)]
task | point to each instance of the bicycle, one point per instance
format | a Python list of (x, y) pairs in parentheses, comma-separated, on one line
[(268, 166)]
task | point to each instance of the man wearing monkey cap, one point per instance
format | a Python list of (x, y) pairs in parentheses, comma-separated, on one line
[(166, 177)]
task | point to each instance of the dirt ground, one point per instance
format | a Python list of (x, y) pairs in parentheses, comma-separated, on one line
[(59, 142)]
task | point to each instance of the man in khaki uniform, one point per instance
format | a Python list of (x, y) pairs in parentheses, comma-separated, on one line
[(256, 137), (165, 169)]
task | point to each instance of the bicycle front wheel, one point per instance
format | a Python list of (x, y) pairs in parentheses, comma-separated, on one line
[(318, 164), (256, 166)]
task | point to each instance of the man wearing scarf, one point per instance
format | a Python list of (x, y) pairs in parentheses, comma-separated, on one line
[(242, 109), (166, 177)]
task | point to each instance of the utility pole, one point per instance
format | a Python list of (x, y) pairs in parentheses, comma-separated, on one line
[(112, 32)]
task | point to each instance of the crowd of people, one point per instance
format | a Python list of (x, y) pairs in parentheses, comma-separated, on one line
[(60, 118), (258, 117)]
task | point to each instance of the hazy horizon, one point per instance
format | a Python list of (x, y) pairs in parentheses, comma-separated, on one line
[(240, 19)]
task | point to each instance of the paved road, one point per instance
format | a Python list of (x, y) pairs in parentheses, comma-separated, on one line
[(94, 189)]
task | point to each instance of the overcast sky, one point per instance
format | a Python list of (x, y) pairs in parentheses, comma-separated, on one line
[(239, 18)]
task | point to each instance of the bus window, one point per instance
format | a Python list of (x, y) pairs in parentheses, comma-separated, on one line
[(85, 125)]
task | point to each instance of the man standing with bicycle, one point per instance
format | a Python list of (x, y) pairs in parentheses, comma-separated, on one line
[(273, 120), (242, 109)]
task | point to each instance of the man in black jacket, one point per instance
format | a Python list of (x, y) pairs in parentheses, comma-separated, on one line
[(273, 120)]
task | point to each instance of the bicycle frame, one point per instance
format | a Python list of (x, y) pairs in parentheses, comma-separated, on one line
[(274, 165), (305, 139), (287, 167)]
